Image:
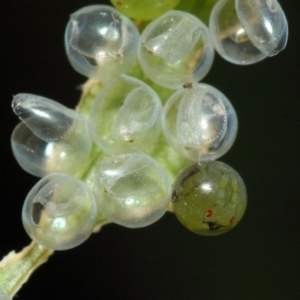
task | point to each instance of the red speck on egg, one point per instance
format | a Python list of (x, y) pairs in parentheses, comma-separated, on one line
[(208, 213)]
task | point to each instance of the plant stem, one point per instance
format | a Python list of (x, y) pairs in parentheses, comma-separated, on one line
[(15, 268)]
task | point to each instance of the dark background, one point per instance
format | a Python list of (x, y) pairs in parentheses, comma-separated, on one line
[(259, 259)]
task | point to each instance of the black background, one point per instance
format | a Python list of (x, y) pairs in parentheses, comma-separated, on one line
[(259, 259)]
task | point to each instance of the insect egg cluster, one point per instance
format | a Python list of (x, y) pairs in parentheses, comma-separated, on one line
[(133, 152)]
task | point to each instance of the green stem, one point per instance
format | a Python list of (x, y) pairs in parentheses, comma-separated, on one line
[(199, 8), (15, 268)]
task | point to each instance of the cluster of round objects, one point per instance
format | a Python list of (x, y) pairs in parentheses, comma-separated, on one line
[(129, 187)]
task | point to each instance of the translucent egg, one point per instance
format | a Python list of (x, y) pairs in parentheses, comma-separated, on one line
[(101, 42), (3, 295), (126, 116), (132, 190), (50, 138), (210, 198), (175, 50), (59, 212), (245, 32), (199, 122)]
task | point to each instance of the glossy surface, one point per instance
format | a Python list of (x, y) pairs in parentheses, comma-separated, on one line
[(200, 122), (144, 10), (209, 199), (132, 190), (50, 138), (59, 212), (175, 49), (126, 116), (101, 42), (265, 24), (245, 32)]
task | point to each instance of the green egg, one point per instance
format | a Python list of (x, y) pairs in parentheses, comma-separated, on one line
[(209, 198)]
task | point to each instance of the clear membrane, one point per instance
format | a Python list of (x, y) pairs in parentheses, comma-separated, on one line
[(175, 49), (50, 137), (126, 116), (132, 190), (59, 212), (101, 42), (265, 23), (245, 32), (200, 122), (201, 119)]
